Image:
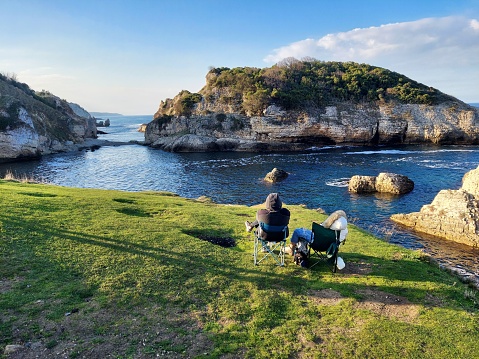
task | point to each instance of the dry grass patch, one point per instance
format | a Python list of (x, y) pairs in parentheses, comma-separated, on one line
[(98, 332), (433, 301), (388, 305), (6, 284), (357, 268), (325, 297)]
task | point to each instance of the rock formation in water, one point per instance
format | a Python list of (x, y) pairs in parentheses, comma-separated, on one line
[(276, 175), (383, 183), (102, 123), (453, 214), (36, 123), (296, 105)]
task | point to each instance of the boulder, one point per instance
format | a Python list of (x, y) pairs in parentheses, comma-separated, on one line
[(102, 123), (393, 183), (276, 175), (384, 183), (470, 182), (274, 110), (452, 215), (362, 184)]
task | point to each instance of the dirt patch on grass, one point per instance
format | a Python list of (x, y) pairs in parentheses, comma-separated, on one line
[(220, 241), (388, 305), (8, 284), (325, 297), (357, 268), (5, 286), (433, 301), (108, 333)]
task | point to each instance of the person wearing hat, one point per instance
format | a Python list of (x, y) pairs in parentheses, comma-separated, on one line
[(274, 214)]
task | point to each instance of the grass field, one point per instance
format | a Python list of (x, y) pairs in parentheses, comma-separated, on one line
[(90, 273)]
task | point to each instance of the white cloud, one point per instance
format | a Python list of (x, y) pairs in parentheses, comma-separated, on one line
[(435, 51), (421, 37)]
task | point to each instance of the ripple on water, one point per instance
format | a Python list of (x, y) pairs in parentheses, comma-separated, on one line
[(338, 182)]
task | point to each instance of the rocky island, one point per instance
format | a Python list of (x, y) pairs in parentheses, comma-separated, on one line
[(295, 105)]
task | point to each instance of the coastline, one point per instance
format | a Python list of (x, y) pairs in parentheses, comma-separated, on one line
[(95, 143)]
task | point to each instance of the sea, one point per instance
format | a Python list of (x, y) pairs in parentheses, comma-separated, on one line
[(317, 179)]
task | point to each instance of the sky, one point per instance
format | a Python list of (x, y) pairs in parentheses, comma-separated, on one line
[(125, 56)]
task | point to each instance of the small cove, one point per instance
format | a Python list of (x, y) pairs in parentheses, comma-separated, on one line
[(318, 179)]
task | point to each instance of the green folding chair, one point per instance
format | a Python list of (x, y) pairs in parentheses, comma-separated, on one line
[(273, 246), (324, 246)]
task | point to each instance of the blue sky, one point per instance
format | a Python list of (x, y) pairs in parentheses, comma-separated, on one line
[(127, 55)]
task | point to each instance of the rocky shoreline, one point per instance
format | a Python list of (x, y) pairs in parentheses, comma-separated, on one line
[(453, 214), (464, 275), (95, 143)]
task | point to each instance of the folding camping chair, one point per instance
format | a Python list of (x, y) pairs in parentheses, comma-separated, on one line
[(324, 245), (274, 245)]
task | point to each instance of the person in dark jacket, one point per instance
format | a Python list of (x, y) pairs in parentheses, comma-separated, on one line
[(274, 214)]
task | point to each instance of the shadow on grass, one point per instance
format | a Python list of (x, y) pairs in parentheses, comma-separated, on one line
[(134, 212), (205, 235), (124, 200), (224, 262), (37, 194)]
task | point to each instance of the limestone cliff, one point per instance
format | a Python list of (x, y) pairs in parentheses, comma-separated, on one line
[(37, 123), (281, 108)]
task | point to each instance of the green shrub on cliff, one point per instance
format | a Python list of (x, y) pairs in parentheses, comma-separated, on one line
[(186, 101), (301, 85), (11, 78), (294, 84), (43, 96)]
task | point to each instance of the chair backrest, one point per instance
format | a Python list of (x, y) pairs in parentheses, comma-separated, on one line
[(323, 237), (274, 233)]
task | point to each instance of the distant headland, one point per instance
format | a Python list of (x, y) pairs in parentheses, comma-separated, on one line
[(103, 114)]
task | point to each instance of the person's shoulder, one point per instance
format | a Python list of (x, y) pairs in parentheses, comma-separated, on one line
[(285, 211)]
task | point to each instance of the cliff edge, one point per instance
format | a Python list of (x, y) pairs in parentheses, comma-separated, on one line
[(37, 123)]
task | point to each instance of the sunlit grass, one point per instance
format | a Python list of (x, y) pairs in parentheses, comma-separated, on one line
[(133, 275)]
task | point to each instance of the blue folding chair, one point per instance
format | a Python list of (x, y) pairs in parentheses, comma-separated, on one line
[(273, 246)]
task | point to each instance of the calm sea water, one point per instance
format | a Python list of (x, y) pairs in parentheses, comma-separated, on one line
[(317, 178)]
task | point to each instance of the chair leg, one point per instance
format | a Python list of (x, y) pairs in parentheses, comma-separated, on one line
[(282, 250), (335, 262), (280, 246), (316, 262)]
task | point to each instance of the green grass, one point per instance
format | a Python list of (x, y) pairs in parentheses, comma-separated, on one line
[(95, 273)]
